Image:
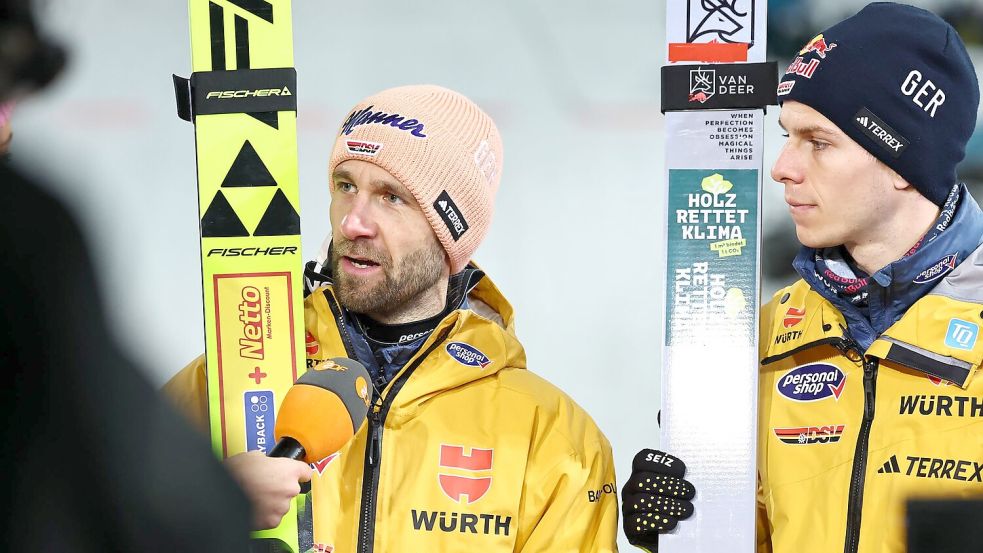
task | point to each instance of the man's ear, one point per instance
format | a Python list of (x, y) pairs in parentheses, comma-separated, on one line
[(898, 181)]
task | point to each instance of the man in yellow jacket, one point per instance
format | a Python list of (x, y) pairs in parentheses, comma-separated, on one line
[(869, 392), (464, 449)]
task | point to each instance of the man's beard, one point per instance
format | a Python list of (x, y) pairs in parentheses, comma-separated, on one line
[(399, 287)]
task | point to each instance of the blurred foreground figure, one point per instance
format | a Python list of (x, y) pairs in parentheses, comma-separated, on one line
[(93, 460)]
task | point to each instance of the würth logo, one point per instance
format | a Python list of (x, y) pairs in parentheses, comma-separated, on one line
[(793, 317), (478, 463)]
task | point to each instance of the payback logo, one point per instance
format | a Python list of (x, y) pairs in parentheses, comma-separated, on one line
[(457, 487), (812, 382), (793, 317), (467, 355), (701, 85), (938, 270)]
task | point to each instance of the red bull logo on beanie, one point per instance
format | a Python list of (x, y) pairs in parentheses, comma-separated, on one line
[(467, 354), (812, 382), (937, 271), (818, 45)]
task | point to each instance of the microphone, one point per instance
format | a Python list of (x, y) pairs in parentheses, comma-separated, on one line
[(322, 410)]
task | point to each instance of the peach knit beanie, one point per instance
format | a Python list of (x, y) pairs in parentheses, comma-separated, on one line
[(441, 147)]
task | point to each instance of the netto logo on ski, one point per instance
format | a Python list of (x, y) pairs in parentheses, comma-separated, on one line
[(812, 382), (478, 465), (808, 435), (938, 270), (466, 354), (935, 468), (250, 314), (451, 215), (257, 93)]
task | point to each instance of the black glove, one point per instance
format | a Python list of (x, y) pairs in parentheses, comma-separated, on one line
[(655, 498)]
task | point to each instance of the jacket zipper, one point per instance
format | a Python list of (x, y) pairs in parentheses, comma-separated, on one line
[(856, 497), (373, 450)]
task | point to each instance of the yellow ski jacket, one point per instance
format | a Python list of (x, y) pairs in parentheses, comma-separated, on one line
[(847, 436), (464, 451)]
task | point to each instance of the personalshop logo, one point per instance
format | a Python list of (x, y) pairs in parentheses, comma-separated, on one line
[(937, 271), (467, 354), (961, 334), (812, 382), (808, 435)]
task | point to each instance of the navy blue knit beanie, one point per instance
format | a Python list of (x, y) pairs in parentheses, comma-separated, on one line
[(897, 80)]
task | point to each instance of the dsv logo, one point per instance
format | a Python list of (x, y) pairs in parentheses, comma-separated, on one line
[(456, 486)]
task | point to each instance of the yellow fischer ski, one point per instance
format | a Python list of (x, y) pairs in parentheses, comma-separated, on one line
[(242, 100)]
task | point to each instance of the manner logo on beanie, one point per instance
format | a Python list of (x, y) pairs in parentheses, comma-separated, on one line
[(898, 81), (442, 147)]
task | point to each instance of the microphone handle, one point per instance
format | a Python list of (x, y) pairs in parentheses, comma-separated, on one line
[(291, 449)]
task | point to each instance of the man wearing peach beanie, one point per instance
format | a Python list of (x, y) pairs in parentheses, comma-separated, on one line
[(464, 449)]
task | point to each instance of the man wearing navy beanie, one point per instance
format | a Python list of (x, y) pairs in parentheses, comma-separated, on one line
[(871, 390)]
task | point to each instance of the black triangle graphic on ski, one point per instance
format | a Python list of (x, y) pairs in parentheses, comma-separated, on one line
[(259, 8), (269, 117), (220, 220), (248, 170), (280, 219)]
